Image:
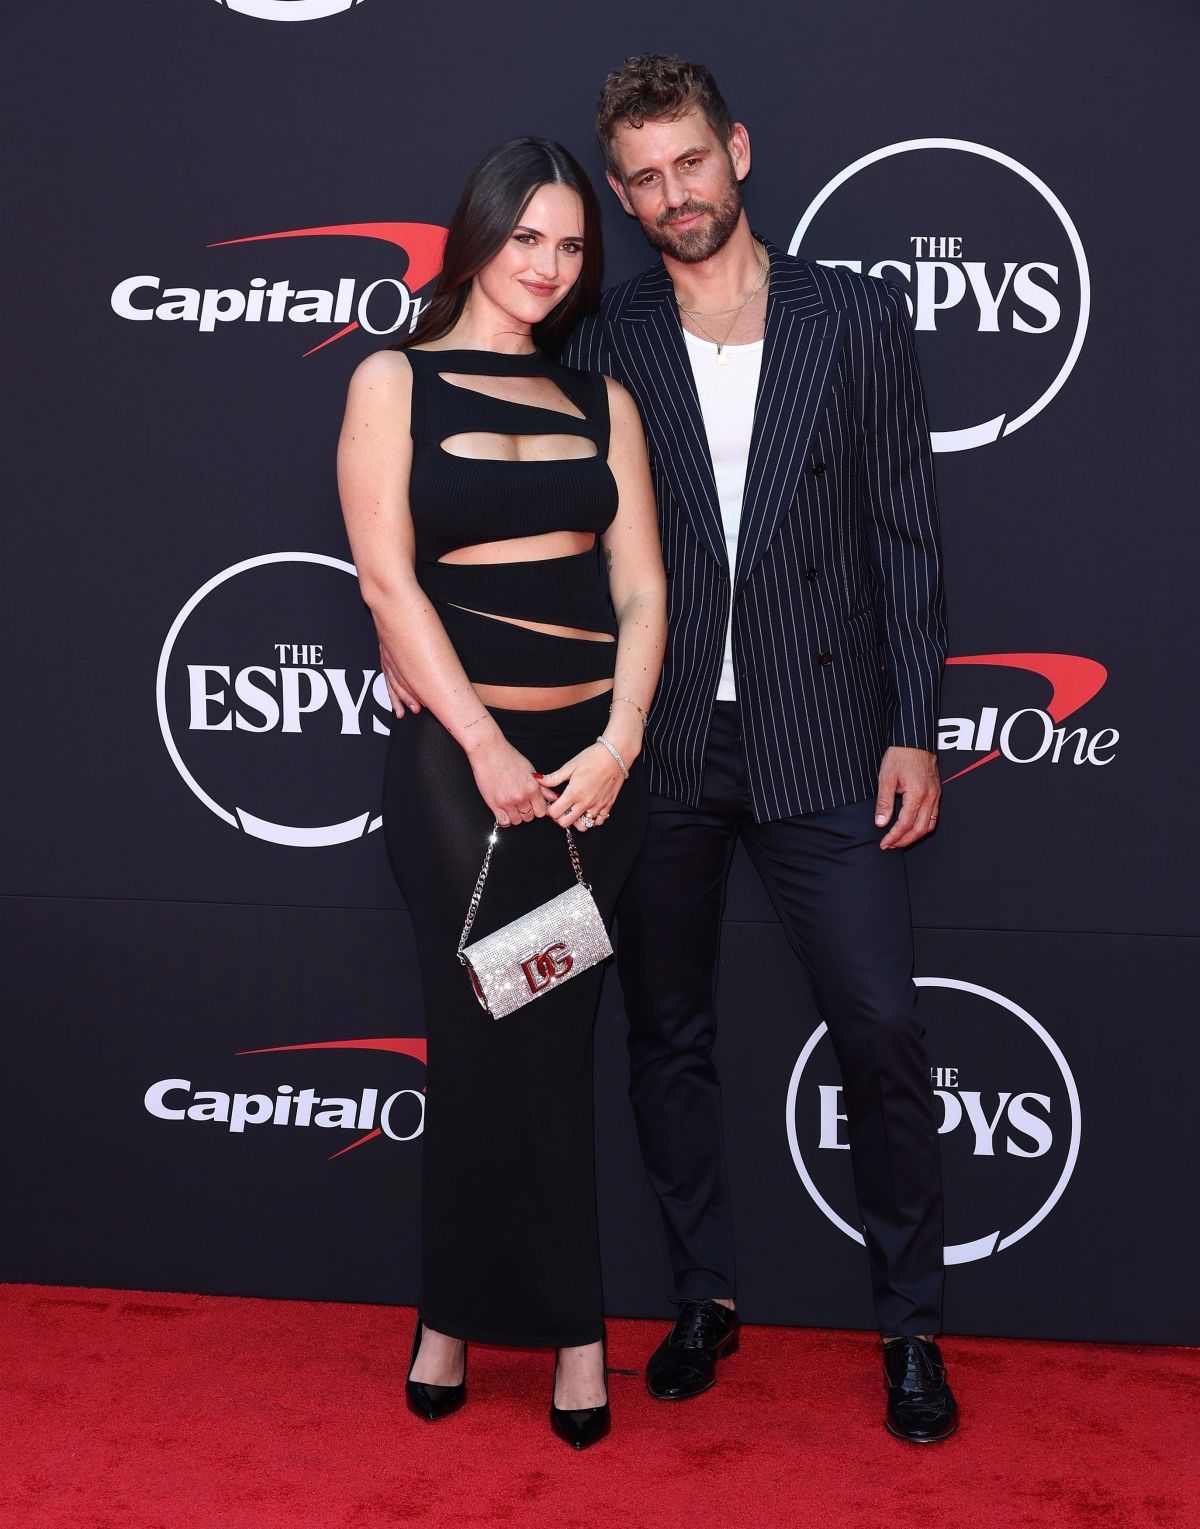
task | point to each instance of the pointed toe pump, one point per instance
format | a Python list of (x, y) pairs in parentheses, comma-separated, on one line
[(432, 1402), (581, 1427)]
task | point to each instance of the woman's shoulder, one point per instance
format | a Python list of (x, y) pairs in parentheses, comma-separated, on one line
[(617, 391), (380, 394), (383, 366), (621, 408), (617, 395), (388, 372)]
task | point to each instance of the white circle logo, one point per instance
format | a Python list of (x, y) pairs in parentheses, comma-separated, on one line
[(1009, 1119), (289, 10), (267, 680), (992, 265)]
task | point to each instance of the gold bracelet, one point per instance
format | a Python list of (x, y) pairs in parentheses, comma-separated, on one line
[(630, 701)]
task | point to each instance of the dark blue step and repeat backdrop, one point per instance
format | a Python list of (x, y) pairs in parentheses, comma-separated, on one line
[(215, 1037)]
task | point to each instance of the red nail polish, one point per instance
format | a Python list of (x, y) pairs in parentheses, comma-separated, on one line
[(537, 775)]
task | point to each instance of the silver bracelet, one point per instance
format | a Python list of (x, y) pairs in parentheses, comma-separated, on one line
[(623, 766)]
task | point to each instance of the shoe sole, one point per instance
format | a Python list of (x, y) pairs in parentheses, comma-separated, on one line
[(935, 1438), (686, 1396)]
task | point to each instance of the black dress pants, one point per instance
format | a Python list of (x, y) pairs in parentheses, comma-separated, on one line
[(844, 906)]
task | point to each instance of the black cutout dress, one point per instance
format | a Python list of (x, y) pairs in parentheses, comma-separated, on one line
[(509, 1241)]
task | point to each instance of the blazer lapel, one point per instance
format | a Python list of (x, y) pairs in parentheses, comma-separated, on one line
[(670, 401), (801, 346)]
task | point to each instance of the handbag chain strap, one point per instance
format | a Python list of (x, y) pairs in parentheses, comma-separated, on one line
[(493, 840)]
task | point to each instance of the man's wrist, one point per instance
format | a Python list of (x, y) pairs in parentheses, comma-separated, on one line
[(915, 748)]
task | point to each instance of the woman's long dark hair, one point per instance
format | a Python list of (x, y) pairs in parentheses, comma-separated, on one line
[(492, 204)]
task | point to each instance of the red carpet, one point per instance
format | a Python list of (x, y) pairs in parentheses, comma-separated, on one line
[(144, 1411)]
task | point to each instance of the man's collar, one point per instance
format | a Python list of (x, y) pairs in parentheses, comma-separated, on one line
[(792, 286)]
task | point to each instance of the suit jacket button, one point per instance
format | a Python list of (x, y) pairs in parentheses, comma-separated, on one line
[(811, 575), (818, 468), (824, 658)]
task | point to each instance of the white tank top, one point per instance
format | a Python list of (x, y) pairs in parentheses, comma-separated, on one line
[(727, 390)]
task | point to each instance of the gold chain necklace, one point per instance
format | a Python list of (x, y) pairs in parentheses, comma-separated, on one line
[(721, 342)]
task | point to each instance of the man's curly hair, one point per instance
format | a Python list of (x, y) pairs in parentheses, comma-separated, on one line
[(657, 87)]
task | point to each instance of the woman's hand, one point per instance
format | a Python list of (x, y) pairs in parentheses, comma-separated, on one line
[(507, 782), (401, 696), (590, 784)]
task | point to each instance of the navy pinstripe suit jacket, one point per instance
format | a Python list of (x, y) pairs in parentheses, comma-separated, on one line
[(838, 626)]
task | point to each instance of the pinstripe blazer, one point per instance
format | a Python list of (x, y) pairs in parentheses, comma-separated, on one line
[(838, 628)]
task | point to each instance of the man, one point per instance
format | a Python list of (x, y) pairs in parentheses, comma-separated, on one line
[(798, 703)]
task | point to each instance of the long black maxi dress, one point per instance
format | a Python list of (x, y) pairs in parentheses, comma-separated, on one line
[(510, 1251)]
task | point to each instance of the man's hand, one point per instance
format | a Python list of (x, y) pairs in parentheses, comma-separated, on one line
[(913, 775), (402, 697)]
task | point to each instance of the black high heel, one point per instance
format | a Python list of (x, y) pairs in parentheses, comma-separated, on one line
[(581, 1427), (432, 1402)]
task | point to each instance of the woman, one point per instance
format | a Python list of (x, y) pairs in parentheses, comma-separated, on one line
[(485, 490)]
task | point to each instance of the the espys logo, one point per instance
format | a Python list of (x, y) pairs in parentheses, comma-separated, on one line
[(1008, 1119), (289, 10), (992, 265), (380, 306), (271, 702), (372, 1113), (1011, 728)]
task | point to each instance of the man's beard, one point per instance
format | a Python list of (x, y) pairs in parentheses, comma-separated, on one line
[(691, 245)]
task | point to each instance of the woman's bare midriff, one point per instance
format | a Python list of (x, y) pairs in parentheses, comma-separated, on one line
[(550, 544), (524, 549), (539, 697)]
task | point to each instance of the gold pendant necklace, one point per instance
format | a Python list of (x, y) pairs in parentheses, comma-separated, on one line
[(745, 303)]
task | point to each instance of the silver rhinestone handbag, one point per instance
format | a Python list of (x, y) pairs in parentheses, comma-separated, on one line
[(537, 952)]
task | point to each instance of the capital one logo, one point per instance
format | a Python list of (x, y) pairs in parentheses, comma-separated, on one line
[(992, 266), (398, 1116), (289, 10), (1008, 1119), (1007, 726), (381, 306), (271, 703)]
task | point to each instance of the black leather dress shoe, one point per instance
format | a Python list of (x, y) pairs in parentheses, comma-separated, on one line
[(685, 1362), (921, 1405), (432, 1402)]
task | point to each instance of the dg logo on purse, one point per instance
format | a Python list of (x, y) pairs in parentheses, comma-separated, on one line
[(553, 962), (567, 935)]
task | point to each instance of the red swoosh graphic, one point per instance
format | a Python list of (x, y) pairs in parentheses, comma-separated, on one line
[(341, 334), (1073, 683), (423, 243), (370, 1136), (414, 1046)]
